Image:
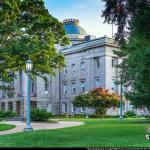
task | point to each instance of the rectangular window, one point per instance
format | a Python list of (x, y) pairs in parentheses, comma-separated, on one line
[(97, 82), (64, 107), (73, 87), (73, 108), (49, 107), (96, 62), (82, 109), (73, 67), (32, 87), (65, 69), (4, 93), (113, 84), (65, 88), (114, 62), (82, 86), (46, 86), (3, 106), (13, 74), (82, 66)]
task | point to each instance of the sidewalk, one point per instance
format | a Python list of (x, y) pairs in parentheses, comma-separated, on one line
[(39, 126)]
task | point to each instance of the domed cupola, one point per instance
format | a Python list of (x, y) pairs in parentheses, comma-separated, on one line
[(75, 32)]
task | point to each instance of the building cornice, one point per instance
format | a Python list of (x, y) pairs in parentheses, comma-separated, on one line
[(99, 42)]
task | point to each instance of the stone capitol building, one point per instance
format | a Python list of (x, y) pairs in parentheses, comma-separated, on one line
[(89, 63)]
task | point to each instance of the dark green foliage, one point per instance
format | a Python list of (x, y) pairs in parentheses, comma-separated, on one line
[(27, 30), (122, 13), (79, 116), (82, 100), (7, 114), (40, 115), (135, 48), (106, 116), (10, 114), (2, 114), (130, 114)]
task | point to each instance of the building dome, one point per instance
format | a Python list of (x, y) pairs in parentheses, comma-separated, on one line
[(72, 27), (75, 32)]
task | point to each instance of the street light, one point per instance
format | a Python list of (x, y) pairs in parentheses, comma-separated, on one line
[(28, 70), (121, 116), (86, 109)]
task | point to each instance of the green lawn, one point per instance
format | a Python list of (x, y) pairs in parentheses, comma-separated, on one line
[(95, 133), (4, 127)]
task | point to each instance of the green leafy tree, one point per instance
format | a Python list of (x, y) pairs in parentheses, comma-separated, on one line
[(132, 18), (28, 31), (82, 100), (99, 99), (123, 13)]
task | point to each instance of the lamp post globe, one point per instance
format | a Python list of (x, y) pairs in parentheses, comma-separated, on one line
[(29, 66)]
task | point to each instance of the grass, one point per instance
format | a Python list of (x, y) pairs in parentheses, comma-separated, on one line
[(4, 127), (95, 133)]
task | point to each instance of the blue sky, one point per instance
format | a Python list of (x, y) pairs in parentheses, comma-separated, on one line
[(88, 12)]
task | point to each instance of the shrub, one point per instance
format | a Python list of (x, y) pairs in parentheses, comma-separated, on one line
[(106, 116), (59, 116), (111, 116), (145, 116), (1, 119), (79, 116), (9, 114), (2, 114), (130, 114), (93, 116), (5, 114), (40, 115)]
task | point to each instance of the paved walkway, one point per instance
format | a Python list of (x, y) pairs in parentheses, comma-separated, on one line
[(39, 126)]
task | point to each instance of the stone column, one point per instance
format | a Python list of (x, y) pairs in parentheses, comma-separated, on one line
[(6, 106), (56, 108), (24, 84), (108, 72), (23, 108), (14, 106), (89, 74)]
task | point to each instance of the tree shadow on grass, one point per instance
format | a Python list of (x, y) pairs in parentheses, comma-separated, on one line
[(142, 121)]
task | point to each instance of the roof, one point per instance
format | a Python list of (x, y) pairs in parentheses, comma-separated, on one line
[(72, 27)]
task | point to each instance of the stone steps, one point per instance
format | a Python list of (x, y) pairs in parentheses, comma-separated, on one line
[(15, 119)]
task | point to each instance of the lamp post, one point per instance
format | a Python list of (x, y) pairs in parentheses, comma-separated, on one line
[(86, 115), (28, 70), (121, 116)]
